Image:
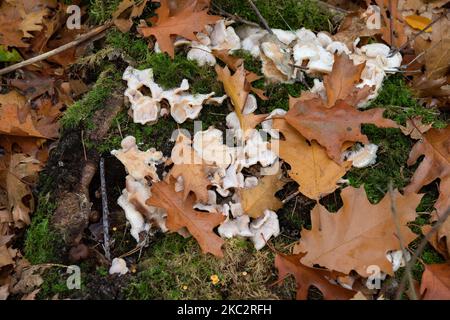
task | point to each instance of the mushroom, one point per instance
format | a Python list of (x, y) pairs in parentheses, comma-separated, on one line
[(235, 227), (209, 146), (363, 156), (202, 54), (264, 228), (119, 266), (267, 125)]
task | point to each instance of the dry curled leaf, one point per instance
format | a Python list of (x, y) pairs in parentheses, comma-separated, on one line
[(358, 235), (435, 283), (185, 22), (316, 174), (236, 88), (180, 214), (436, 164), (305, 277)]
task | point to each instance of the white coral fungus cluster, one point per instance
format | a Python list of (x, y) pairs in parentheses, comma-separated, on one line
[(147, 109)]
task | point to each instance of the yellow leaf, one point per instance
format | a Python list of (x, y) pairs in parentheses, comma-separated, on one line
[(418, 22)]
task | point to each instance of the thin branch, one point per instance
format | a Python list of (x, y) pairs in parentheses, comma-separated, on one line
[(403, 46), (234, 17), (105, 209), (401, 241), (290, 197), (60, 49), (420, 249), (260, 17)]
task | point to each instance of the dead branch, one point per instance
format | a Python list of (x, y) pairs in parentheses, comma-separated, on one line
[(60, 49), (105, 209)]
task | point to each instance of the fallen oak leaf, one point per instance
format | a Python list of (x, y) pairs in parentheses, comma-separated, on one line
[(180, 214), (341, 82), (435, 283), (234, 63), (436, 164), (11, 107), (124, 21), (418, 22), (305, 277), (359, 234), (189, 166), (236, 88), (332, 127), (261, 197), (184, 23), (316, 174), (22, 173), (415, 128)]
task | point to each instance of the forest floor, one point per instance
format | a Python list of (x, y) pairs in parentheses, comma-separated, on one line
[(170, 266)]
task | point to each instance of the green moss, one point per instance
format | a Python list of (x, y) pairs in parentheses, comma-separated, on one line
[(282, 14), (54, 283), (80, 113), (250, 63), (101, 10), (278, 95), (135, 48), (400, 104), (169, 73), (42, 243), (392, 154), (176, 269)]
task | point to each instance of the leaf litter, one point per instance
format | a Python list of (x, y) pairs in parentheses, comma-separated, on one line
[(210, 189)]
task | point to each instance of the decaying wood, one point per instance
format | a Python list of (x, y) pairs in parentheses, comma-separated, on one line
[(71, 216)]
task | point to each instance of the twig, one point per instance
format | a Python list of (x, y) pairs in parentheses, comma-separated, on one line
[(400, 240), (260, 17), (105, 209), (84, 146), (234, 17), (290, 197), (419, 250), (403, 46), (391, 24), (331, 7), (60, 49)]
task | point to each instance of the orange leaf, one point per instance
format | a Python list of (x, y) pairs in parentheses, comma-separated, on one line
[(418, 22), (184, 23), (360, 234), (306, 277), (180, 214)]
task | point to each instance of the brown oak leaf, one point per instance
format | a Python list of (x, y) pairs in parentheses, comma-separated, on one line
[(332, 127), (340, 83), (184, 23), (261, 197), (305, 277), (180, 214), (360, 234), (435, 283), (311, 168), (436, 147)]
